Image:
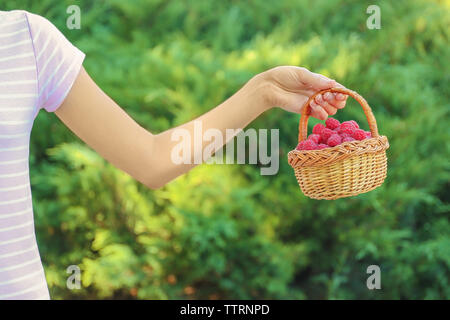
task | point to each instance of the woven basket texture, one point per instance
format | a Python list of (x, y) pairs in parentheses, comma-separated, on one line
[(345, 170)]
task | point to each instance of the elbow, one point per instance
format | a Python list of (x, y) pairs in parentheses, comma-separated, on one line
[(156, 171), (152, 172), (159, 180), (154, 186), (153, 183), (156, 181)]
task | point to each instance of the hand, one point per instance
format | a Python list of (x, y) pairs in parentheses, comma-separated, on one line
[(290, 87)]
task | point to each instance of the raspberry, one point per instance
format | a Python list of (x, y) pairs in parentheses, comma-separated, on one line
[(326, 133), (337, 130), (332, 123), (348, 127), (309, 145), (334, 140), (359, 134), (314, 137), (368, 135), (306, 145), (348, 139), (355, 123), (318, 128), (322, 146), (345, 135)]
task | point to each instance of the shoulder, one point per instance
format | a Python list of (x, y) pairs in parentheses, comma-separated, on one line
[(37, 22), (13, 17), (9, 18)]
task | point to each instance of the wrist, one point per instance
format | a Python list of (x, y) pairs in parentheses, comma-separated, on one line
[(259, 92)]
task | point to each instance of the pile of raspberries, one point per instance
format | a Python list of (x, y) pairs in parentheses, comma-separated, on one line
[(333, 134)]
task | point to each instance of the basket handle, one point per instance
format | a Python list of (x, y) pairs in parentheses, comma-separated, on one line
[(303, 125)]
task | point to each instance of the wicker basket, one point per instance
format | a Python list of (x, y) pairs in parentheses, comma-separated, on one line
[(345, 170)]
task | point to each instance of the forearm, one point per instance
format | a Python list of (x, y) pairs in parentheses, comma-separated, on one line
[(234, 113)]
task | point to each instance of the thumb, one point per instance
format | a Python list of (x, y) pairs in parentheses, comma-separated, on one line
[(317, 81)]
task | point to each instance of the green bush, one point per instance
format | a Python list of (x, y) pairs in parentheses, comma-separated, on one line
[(226, 231)]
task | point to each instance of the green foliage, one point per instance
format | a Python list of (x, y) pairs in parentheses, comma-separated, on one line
[(225, 231)]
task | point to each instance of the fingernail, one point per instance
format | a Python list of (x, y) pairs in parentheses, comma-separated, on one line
[(318, 98), (340, 96), (328, 96)]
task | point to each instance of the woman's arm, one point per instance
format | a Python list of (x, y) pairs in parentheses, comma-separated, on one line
[(103, 125)]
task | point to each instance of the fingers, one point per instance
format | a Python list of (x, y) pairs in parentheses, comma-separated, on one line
[(340, 96), (330, 109), (329, 101), (317, 111), (337, 100), (321, 109), (327, 104)]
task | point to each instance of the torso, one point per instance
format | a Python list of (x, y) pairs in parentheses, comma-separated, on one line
[(21, 272)]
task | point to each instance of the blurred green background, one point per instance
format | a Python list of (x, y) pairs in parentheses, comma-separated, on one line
[(225, 231)]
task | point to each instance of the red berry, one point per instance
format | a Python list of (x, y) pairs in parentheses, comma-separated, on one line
[(332, 123), (326, 133), (306, 145), (359, 134), (368, 135), (301, 145), (309, 145), (348, 139), (348, 127), (334, 140), (322, 146), (314, 137), (318, 128), (337, 130), (345, 135), (355, 123)]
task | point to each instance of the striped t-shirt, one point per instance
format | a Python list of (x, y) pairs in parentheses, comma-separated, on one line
[(38, 66)]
